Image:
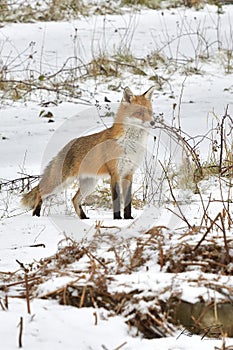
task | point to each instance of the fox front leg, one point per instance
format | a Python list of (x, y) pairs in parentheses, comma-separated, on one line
[(127, 196), (116, 198)]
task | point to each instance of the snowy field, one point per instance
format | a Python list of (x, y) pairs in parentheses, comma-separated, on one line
[(194, 90)]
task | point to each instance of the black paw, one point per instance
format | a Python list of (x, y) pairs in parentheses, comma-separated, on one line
[(117, 216), (36, 212), (83, 216), (128, 217)]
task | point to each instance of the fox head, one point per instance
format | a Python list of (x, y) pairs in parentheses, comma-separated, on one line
[(136, 109)]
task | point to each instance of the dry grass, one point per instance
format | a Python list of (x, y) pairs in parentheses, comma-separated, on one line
[(58, 10), (89, 286), (52, 10)]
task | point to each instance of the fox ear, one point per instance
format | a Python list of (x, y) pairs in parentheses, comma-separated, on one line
[(127, 95), (148, 94)]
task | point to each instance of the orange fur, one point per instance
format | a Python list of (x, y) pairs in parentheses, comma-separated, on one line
[(111, 152)]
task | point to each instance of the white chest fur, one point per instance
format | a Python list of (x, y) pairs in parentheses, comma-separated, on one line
[(133, 144)]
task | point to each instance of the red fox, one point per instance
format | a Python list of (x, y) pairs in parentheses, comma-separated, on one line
[(116, 152)]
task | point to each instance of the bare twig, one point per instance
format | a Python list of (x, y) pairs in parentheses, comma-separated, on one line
[(22, 183), (174, 198), (27, 294), (226, 115), (179, 104), (228, 258), (82, 297), (208, 230), (96, 318), (121, 346), (89, 254), (20, 332)]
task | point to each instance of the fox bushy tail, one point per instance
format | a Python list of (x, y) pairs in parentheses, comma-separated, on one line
[(29, 199)]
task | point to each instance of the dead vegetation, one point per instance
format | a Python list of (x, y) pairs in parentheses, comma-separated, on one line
[(52, 10), (66, 83), (57, 10), (108, 264), (22, 79)]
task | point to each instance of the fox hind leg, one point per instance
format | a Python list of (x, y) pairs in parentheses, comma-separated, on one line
[(86, 187), (37, 206)]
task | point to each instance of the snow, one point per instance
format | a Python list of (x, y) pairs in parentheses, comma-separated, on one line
[(54, 327), (28, 141)]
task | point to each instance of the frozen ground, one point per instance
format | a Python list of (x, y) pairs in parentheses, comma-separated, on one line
[(28, 141)]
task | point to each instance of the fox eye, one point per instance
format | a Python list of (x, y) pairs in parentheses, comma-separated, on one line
[(138, 114)]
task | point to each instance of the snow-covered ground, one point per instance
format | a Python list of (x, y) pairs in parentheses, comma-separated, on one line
[(201, 89), (58, 327)]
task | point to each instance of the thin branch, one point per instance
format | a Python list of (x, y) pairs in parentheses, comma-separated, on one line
[(228, 257), (27, 294), (20, 332), (207, 231), (174, 198)]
